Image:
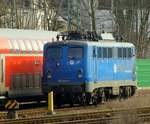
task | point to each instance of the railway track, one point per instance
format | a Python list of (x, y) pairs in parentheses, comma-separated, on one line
[(3, 115), (77, 116)]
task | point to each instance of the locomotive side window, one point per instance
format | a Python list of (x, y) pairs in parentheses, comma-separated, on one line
[(124, 53), (104, 52), (75, 52), (129, 53), (99, 52), (120, 53), (110, 53), (54, 53)]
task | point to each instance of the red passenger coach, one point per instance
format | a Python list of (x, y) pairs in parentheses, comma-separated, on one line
[(21, 60)]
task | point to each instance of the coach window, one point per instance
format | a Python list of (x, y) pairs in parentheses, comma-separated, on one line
[(75, 53), (54, 53), (99, 52)]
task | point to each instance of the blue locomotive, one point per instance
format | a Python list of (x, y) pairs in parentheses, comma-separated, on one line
[(80, 70)]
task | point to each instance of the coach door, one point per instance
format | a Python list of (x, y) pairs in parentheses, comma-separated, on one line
[(2, 83), (94, 63)]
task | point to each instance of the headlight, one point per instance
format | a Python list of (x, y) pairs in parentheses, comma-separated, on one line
[(49, 76), (57, 64), (80, 76), (80, 73)]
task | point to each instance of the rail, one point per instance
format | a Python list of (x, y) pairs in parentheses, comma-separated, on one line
[(61, 117)]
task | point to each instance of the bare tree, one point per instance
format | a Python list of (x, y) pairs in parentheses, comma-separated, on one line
[(132, 21), (4, 14), (51, 14), (32, 14), (90, 6)]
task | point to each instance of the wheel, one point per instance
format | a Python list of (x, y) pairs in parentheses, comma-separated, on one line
[(128, 91), (122, 94), (59, 100), (133, 89), (83, 99), (103, 97), (72, 100), (95, 99), (92, 98)]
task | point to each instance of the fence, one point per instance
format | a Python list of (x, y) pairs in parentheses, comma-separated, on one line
[(143, 72)]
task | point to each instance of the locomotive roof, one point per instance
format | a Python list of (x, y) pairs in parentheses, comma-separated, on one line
[(28, 41), (99, 43)]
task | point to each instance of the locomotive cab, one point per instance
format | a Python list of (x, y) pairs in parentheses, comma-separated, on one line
[(64, 67)]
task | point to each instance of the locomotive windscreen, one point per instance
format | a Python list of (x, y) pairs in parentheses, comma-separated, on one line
[(54, 53), (76, 52)]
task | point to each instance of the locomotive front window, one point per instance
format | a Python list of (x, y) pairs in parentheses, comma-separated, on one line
[(54, 53), (75, 53)]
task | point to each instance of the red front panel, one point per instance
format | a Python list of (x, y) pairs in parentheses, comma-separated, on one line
[(21, 65)]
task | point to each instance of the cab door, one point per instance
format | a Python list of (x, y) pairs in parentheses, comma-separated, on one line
[(95, 64)]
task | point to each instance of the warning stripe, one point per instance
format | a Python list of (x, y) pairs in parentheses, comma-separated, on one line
[(11, 104), (7, 104)]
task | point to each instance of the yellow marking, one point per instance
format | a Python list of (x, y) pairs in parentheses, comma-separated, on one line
[(12, 105), (50, 102), (8, 103)]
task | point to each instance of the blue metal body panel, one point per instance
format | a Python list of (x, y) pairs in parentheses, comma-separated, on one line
[(108, 69), (65, 70)]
